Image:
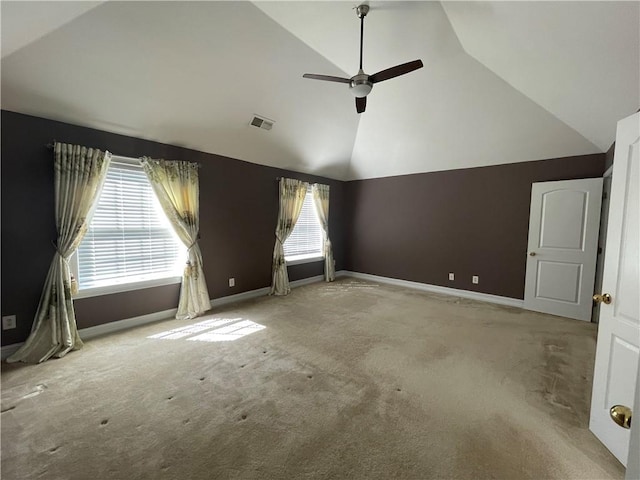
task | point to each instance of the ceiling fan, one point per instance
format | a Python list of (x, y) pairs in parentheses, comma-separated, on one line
[(361, 83)]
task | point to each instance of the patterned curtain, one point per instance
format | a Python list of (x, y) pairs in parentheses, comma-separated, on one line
[(177, 188), (321, 202), (79, 174), (292, 193)]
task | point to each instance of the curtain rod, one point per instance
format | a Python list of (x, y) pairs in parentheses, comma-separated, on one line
[(278, 179), (195, 162), (51, 145)]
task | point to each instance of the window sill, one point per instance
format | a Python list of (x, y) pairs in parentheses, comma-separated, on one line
[(300, 259), (125, 287)]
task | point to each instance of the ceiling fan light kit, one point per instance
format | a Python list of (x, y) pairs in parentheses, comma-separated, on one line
[(361, 84)]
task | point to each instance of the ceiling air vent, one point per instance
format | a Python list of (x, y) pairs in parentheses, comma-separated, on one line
[(262, 122)]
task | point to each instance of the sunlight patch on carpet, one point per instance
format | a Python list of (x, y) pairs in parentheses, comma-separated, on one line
[(212, 330), (230, 332), (349, 286)]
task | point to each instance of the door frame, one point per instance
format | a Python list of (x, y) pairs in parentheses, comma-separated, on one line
[(602, 237)]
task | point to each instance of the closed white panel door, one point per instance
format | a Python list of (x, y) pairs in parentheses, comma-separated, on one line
[(562, 251), (615, 373)]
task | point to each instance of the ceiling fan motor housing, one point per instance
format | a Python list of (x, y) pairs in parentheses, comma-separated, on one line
[(361, 85)]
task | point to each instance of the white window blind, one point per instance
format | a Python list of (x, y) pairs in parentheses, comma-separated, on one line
[(306, 240), (129, 238)]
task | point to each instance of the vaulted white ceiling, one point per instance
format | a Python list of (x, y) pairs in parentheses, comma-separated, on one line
[(503, 81)]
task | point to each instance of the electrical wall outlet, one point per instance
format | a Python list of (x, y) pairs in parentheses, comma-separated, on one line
[(8, 322), (475, 279), (232, 282), (452, 276)]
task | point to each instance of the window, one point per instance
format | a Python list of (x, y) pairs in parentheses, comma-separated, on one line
[(130, 243), (306, 242)]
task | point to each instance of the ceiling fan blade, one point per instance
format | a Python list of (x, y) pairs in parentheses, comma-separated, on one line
[(327, 78), (361, 104), (395, 71)]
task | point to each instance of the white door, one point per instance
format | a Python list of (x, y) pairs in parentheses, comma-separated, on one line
[(563, 244), (615, 372), (633, 462)]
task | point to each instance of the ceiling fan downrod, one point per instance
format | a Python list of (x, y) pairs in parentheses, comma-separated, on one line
[(360, 84), (362, 11)]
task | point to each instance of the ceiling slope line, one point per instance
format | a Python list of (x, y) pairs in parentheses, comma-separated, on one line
[(49, 17), (471, 22), (464, 49), (347, 167), (599, 149), (272, 19)]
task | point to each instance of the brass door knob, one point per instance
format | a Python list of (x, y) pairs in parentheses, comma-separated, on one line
[(604, 298), (621, 415), (532, 254)]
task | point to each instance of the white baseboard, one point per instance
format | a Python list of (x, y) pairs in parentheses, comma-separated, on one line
[(9, 350), (238, 297), (92, 332), (105, 328), (260, 292), (306, 281), (111, 327), (483, 297)]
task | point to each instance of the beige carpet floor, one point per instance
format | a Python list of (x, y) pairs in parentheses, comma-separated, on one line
[(347, 380)]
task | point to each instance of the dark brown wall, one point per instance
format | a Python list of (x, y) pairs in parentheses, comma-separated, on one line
[(608, 161), (471, 222), (238, 212)]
